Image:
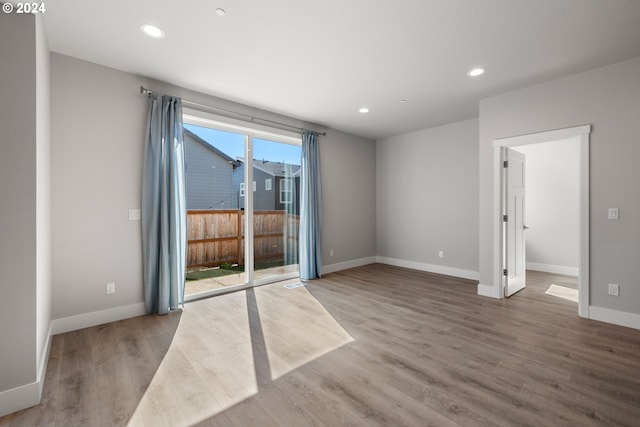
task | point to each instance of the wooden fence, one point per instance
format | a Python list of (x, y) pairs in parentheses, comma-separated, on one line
[(215, 237)]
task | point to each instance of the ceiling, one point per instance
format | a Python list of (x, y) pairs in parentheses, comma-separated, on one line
[(322, 60)]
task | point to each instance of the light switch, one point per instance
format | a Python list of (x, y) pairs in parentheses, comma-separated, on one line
[(613, 213), (134, 214)]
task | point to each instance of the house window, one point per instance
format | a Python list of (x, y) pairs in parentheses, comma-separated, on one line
[(286, 190), (242, 188), (267, 184)]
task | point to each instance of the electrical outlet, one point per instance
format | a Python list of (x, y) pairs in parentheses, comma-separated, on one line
[(134, 214), (614, 290), (110, 288), (330, 252), (441, 254)]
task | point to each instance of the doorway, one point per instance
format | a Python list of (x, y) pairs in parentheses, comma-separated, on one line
[(501, 235), (243, 206)]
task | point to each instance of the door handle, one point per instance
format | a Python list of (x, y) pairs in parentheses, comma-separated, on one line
[(524, 227)]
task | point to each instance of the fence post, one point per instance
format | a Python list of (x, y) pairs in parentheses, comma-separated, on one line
[(240, 249)]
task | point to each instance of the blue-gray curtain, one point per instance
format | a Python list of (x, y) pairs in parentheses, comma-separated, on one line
[(310, 208), (164, 220)]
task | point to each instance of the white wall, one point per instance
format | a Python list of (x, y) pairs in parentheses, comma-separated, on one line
[(98, 126), (552, 210), (608, 98), (24, 223), (427, 199)]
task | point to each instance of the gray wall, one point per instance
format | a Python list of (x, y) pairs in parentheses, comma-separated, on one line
[(427, 196), (348, 165), (608, 98), (552, 210), (96, 178), (98, 121), (24, 223), (208, 177)]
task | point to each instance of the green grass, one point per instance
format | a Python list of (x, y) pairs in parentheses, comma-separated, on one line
[(226, 270), (212, 272)]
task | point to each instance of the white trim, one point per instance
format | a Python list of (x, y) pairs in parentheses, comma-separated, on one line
[(94, 318), (551, 268), (582, 135), (583, 224), (248, 212), (621, 318), (535, 138), (27, 395), (498, 279), (488, 291), (432, 268), (18, 398), (331, 268), (199, 118), (44, 360)]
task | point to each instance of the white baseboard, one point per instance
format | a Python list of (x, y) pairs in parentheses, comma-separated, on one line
[(86, 320), (331, 268), (488, 291), (551, 268), (431, 268), (18, 398), (44, 360), (27, 395), (621, 318)]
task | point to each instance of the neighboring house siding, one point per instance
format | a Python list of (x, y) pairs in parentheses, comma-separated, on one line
[(208, 177), (263, 200), (267, 196), (238, 178)]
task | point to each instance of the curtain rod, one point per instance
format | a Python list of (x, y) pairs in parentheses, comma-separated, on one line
[(252, 119)]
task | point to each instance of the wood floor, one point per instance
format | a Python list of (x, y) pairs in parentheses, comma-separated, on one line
[(371, 346)]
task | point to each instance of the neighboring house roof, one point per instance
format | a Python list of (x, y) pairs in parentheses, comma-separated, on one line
[(188, 133), (274, 168)]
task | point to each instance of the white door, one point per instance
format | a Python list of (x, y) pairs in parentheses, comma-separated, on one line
[(515, 226)]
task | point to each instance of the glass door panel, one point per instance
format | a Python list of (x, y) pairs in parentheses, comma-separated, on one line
[(215, 189), (276, 210)]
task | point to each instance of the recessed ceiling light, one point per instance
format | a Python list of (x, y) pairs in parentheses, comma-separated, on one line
[(221, 12), (476, 72), (364, 110), (152, 31)]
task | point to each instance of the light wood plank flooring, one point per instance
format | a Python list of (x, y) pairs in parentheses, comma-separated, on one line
[(371, 346)]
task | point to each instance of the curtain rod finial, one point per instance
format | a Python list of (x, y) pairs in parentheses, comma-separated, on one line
[(145, 91)]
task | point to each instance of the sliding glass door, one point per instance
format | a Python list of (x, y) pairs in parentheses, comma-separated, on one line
[(242, 207), (276, 209)]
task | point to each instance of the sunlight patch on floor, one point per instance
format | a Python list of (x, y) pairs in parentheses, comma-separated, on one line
[(298, 328), (214, 362), (208, 368), (562, 292)]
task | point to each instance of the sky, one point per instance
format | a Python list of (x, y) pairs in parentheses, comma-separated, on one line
[(232, 144)]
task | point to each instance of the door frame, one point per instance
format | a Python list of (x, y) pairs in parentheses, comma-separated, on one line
[(581, 134), (200, 118)]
